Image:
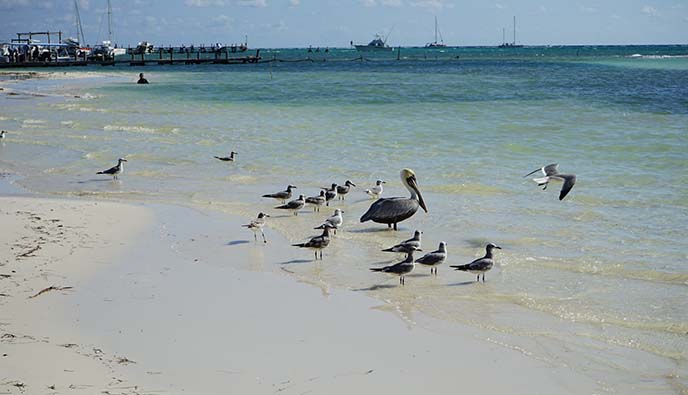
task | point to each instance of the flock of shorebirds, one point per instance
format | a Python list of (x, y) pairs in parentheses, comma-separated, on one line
[(389, 211)]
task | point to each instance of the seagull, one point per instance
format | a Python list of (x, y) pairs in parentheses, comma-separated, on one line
[(257, 225), (294, 205), (412, 244), (316, 201), (334, 222), (317, 243), (114, 171), (480, 265), (435, 258), (330, 193), (551, 172), (2, 134), (229, 158), (400, 269), (344, 189), (393, 210), (281, 195), (376, 191)]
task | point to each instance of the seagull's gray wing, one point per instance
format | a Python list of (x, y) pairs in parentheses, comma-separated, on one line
[(569, 182), (551, 169)]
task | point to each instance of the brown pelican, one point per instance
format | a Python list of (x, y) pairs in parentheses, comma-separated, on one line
[(229, 158), (400, 269), (435, 258), (393, 210), (257, 225), (551, 172), (344, 189), (282, 195), (317, 243), (114, 171), (480, 265)]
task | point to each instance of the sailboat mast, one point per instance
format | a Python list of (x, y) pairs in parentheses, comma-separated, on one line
[(435, 30), (79, 28), (514, 29), (109, 11), (503, 35)]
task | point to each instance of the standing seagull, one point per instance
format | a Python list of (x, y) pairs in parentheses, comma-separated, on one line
[(257, 225), (334, 222), (435, 258), (229, 158), (393, 210), (480, 265), (376, 191), (330, 193), (316, 201), (400, 269), (281, 195), (294, 205), (344, 189), (551, 172), (114, 171), (317, 243), (412, 244)]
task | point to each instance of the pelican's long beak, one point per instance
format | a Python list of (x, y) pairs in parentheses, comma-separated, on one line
[(414, 185)]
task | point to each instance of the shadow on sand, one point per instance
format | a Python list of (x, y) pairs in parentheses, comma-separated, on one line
[(238, 242), (293, 261), (461, 283), (375, 287), (97, 180)]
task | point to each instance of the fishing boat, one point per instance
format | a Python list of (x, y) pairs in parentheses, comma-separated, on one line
[(512, 44), (436, 44), (379, 43)]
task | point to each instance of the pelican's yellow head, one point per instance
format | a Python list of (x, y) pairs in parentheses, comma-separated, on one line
[(408, 177)]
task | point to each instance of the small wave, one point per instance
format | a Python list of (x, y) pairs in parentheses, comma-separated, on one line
[(639, 56), (33, 121), (126, 128), (466, 188)]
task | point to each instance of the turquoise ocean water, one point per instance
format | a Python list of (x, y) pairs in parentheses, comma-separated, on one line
[(596, 283)]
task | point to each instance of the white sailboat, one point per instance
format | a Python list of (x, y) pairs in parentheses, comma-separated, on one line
[(106, 49), (512, 44), (436, 44)]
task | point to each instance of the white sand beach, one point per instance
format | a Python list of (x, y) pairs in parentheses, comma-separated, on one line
[(153, 301)]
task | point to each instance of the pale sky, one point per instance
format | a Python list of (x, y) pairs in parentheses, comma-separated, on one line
[(333, 23)]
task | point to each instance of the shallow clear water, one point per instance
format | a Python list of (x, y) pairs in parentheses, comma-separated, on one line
[(605, 269)]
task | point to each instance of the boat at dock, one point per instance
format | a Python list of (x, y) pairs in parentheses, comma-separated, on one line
[(436, 44)]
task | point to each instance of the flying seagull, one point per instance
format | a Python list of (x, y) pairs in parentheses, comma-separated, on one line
[(115, 170), (480, 265), (393, 210), (551, 172)]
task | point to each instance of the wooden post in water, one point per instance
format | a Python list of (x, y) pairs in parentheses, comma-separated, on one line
[(399, 53), (160, 54), (171, 56)]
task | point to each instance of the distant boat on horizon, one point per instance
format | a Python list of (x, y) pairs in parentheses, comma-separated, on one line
[(436, 44), (512, 44), (379, 43)]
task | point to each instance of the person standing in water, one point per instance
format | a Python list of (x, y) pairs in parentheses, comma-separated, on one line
[(141, 79)]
